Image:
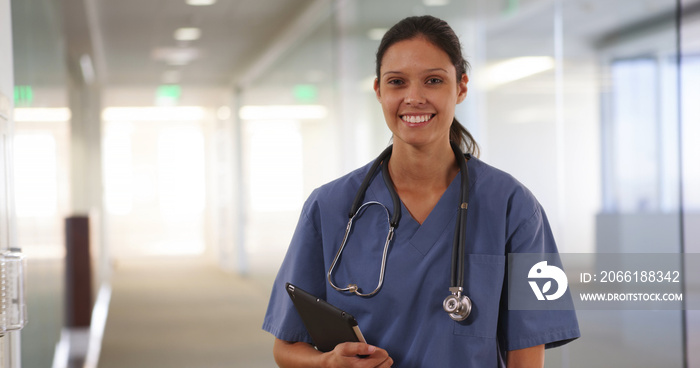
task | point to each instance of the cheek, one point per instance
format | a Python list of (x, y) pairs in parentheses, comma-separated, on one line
[(389, 104)]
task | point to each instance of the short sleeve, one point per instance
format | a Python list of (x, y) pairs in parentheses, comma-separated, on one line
[(302, 266), (520, 329)]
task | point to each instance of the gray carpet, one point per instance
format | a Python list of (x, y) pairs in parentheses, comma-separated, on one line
[(185, 313)]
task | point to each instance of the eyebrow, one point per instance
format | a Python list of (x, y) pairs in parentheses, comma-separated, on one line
[(427, 71)]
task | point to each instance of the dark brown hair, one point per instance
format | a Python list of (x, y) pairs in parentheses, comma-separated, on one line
[(440, 34)]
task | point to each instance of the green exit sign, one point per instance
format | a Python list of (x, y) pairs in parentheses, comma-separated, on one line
[(305, 92), (24, 95), (169, 93)]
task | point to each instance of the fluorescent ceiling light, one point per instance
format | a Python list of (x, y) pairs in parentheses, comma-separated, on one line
[(435, 2), (517, 68), (33, 114), (283, 112), (376, 34), (187, 34), (154, 113), (200, 2)]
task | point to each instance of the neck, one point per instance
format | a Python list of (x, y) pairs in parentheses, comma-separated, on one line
[(427, 167)]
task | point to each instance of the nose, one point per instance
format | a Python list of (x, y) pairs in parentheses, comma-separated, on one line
[(414, 95)]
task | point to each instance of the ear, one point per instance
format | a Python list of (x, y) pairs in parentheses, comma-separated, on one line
[(376, 89), (462, 88)]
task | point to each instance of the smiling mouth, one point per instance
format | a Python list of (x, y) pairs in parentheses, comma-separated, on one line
[(416, 119)]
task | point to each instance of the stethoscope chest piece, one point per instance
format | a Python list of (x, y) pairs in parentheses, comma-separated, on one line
[(458, 306)]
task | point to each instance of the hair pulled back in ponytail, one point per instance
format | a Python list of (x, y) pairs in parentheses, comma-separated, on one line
[(440, 34)]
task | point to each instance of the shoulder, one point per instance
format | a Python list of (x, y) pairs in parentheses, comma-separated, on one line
[(498, 185), (336, 195), (503, 200)]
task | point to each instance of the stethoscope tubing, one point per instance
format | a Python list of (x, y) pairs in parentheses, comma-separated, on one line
[(458, 247), (353, 288)]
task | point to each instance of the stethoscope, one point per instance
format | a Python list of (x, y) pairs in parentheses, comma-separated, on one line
[(458, 306)]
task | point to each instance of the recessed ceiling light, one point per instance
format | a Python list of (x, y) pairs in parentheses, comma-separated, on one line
[(435, 2), (187, 34), (200, 2)]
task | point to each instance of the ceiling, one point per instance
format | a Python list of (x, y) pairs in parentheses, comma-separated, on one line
[(141, 47), (131, 43)]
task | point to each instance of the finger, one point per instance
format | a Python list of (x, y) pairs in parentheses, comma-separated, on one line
[(387, 363), (355, 348)]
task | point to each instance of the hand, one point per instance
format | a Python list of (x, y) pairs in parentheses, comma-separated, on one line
[(349, 354)]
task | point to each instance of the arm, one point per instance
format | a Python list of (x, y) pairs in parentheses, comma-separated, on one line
[(532, 357), (300, 354)]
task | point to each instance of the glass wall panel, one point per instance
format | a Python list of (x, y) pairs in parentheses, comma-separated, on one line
[(690, 156), (628, 53), (289, 139), (41, 162)]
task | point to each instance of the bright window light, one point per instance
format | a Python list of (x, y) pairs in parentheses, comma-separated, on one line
[(187, 34), (223, 113), (181, 173), (283, 112), (162, 113), (517, 68), (36, 114), (36, 175), (268, 172), (118, 168)]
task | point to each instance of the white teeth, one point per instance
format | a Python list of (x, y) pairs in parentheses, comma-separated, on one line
[(416, 119)]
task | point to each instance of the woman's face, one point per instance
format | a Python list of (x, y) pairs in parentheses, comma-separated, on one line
[(418, 90)]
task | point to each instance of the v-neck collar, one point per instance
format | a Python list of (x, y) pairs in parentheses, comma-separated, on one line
[(441, 218)]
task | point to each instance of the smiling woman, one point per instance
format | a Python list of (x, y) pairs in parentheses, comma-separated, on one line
[(418, 90), (421, 77)]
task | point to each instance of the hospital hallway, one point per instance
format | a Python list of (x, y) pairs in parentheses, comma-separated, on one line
[(185, 312), (157, 158)]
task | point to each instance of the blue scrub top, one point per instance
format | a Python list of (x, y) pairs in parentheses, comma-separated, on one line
[(406, 317)]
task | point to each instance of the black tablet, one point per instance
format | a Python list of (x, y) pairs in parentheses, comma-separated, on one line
[(327, 324)]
